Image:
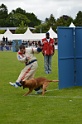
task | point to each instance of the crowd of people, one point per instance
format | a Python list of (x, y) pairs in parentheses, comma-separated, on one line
[(5, 44)]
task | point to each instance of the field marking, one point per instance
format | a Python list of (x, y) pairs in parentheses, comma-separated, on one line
[(61, 97)]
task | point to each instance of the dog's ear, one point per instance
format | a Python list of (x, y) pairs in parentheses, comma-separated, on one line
[(23, 83)]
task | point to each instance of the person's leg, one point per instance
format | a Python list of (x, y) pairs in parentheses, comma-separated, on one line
[(27, 73), (46, 64), (17, 83), (49, 63), (24, 73), (32, 70)]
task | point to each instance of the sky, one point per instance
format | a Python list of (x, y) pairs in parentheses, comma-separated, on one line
[(44, 8)]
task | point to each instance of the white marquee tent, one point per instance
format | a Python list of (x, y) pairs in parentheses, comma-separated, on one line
[(28, 35)]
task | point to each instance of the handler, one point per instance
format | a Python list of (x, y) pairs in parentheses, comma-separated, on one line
[(48, 50), (26, 55)]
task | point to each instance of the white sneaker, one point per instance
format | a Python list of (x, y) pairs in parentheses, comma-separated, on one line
[(13, 84), (39, 92)]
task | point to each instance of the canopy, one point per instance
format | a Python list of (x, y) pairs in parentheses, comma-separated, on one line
[(52, 33), (7, 34), (28, 32), (71, 25)]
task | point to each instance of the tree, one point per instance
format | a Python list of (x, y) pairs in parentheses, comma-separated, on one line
[(14, 19), (64, 21), (31, 16), (78, 19), (33, 20), (42, 28), (51, 22), (19, 10), (3, 15), (21, 29), (45, 26)]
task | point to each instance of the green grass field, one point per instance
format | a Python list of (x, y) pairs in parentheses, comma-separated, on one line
[(55, 107)]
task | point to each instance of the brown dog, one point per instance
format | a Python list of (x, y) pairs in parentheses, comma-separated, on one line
[(35, 83)]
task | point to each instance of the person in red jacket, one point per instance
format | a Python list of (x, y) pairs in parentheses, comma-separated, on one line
[(48, 50)]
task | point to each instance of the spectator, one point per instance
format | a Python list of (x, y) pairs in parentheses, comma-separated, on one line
[(48, 50)]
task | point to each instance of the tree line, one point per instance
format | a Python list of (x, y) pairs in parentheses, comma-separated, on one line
[(22, 19)]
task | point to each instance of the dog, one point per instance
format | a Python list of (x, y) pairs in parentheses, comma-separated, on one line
[(35, 83)]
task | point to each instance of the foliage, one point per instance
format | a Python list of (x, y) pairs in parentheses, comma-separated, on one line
[(21, 29), (19, 10), (78, 20), (15, 17), (2, 31), (41, 28), (64, 21), (52, 22), (31, 16), (3, 15), (44, 27), (34, 21)]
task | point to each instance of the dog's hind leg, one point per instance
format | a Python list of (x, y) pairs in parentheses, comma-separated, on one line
[(44, 87)]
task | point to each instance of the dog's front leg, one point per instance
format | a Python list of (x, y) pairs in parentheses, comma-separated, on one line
[(30, 90)]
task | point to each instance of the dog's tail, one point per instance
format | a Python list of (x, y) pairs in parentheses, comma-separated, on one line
[(53, 80)]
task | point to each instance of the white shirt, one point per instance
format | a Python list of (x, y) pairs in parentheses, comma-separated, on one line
[(28, 56), (48, 40)]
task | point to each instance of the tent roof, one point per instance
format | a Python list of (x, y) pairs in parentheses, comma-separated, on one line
[(71, 25), (8, 32), (27, 32), (52, 33)]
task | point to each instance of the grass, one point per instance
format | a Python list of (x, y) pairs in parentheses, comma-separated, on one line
[(55, 107)]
